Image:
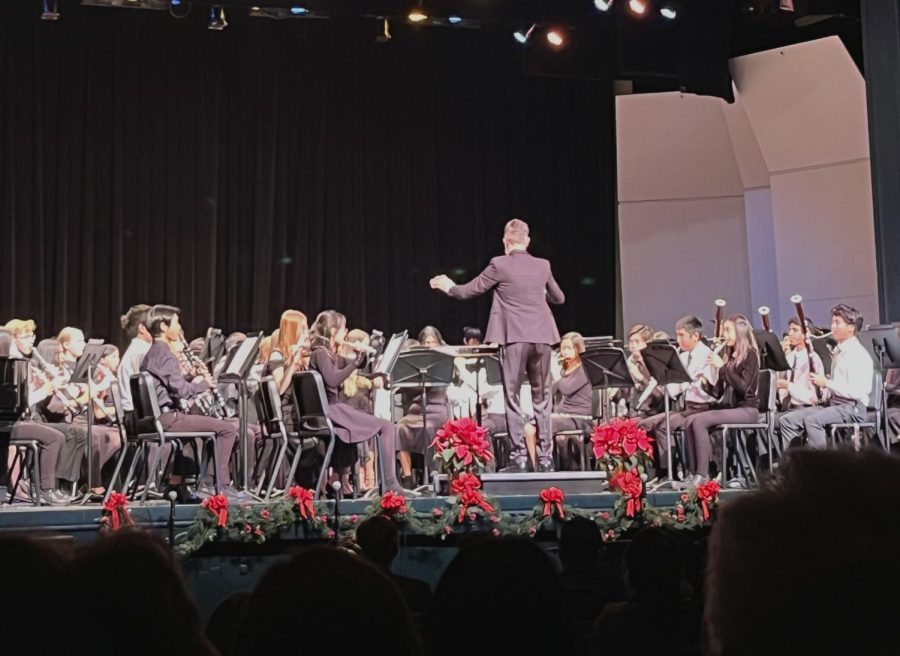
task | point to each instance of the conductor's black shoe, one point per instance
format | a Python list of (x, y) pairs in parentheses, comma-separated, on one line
[(515, 468)]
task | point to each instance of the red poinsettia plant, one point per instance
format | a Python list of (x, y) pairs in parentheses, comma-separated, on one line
[(462, 446), (393, 504), (621, 445)]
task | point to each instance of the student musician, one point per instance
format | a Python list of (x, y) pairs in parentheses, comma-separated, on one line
[(352, 426), (412, 438), (290, 349), (172, 387), (845, 393), (573, 397), (105, 438), (645, 399), (357, 392), (134, 325), (738, 378), (795, 389), (18, 342), (694, 356)]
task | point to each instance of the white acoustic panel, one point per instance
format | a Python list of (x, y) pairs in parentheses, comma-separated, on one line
[(825, 236), (671, 146), (677, 257), (806, 104), (749, 158)]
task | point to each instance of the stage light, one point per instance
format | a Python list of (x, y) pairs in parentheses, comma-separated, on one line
[(297, 11), (638, 7), (522, 36), (50, 11), (603, 5), (175, 3), (454, 19), (555, 38), (669, 11), (385, 35), (217, 20), (417, 16)]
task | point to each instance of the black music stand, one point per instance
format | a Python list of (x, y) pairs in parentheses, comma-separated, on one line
[(84, 374), (238, 365), (606, 368), (665, 367), (213, 347), (423, 368), (771, 354), (883, 344), (13, 404)]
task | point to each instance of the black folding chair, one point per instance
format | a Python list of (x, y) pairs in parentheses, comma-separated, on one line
[(837, 430), (150, 431), (312, 409), (127, 442), (766, 393)]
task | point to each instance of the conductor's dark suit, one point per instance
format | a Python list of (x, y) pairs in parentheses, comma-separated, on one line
[(521, 322)]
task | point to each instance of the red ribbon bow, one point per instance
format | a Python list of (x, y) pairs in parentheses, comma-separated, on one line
[(553, 497), (303, 499), (117, 507), (466, 487), (629, 483), (706, 495), (218, 506)]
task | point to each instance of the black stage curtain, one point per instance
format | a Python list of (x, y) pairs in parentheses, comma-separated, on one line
[(287, 164)]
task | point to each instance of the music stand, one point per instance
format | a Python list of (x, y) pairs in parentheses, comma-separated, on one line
[(213, 347), (422, 368), (606, 368), (84, 374), (665, 367), (822, 346), (883, 344), (238, 364), (771, 355)]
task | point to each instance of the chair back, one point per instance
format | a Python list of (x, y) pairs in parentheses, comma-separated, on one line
[(876, 395), (310, 400), (268, 406), (597, 409), (766, 392), (145, 401)]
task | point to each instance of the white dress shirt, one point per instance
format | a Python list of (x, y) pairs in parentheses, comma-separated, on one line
[(851, 373), (801, 389), (696, 364), (129, 365)]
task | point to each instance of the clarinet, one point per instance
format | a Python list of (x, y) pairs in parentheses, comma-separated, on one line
[(218, 407), (797, 300)]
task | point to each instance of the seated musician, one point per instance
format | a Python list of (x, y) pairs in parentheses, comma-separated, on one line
[(646, 398), (736, 386), (18, 342), (795, 389), (290, 352), (892, 389), (134, 325), (172, 388), (357, 392), (105, 438), (572, 400), (352, 426), (412, 438), (694, 356), (845, 393)]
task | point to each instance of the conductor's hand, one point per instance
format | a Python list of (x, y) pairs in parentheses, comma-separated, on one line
[(442, 282)]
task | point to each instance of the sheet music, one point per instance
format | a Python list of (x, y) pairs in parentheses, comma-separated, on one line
[(240, 358), (391, 351)]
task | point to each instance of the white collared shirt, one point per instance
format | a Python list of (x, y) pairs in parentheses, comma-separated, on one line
[(851, 372), (696, 365), (801, 389), (128, 367)]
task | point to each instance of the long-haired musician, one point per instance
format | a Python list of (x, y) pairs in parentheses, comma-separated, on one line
[(738, 379), (352, 426)]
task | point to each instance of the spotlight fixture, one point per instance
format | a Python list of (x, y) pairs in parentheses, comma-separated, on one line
[(50, 10), (522, 35), (298, 11), (555, 38), (417, 16), (603, 5), (385, 35), (217, 20), (638, 7), (453, 19), (669, 11)]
